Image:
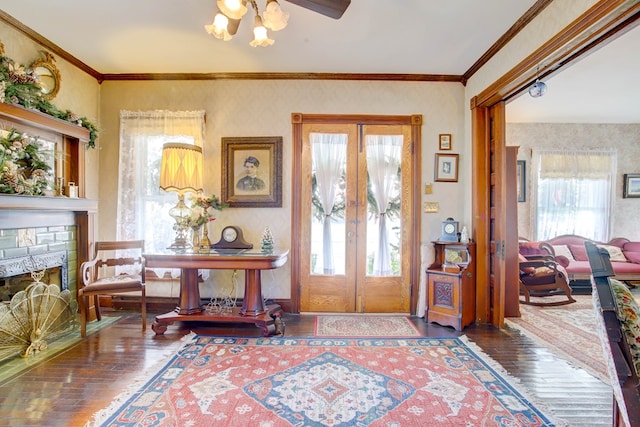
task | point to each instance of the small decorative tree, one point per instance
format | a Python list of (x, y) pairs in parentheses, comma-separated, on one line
[(267, 240)]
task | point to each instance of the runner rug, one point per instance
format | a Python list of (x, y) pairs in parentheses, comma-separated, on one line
[(288, 381), (568, 331), (365, 326)]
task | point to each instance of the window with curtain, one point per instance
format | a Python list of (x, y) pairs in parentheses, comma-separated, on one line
[(573, 193), (143, 209)]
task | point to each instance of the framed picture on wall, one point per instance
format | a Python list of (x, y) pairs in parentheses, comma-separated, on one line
[(446, 167), (521, 181), (252, 171), (631, 186), (444, 141)]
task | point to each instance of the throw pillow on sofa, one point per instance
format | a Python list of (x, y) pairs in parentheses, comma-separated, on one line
[(563, 250), (579, 252), (615, 253)]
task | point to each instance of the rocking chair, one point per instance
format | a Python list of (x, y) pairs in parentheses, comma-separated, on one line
[(542, 276)]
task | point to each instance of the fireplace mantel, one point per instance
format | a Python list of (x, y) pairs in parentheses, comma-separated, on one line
[(14, 202)]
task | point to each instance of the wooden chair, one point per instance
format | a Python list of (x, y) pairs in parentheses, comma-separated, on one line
[(542, 276), (100, 276)]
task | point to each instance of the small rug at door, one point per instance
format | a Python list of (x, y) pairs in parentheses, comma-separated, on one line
[(365, 326), (568, 331), (288, 381)]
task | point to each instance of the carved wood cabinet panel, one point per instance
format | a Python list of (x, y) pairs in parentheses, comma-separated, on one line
[(451, 285)]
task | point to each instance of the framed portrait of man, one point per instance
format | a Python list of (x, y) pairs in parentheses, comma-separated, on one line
[(252, 171)]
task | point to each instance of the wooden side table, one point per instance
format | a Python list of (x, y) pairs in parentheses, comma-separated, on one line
[(451, 285), (253, 310)]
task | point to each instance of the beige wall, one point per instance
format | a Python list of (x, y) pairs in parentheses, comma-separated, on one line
[(263, 108), (79, 92), (624, 138), (254, 108)]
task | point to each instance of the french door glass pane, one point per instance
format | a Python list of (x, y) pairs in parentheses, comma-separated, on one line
[(384, 157), (328, 203)]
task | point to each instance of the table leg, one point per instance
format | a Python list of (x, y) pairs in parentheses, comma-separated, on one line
[(189, 302), (252, 304)]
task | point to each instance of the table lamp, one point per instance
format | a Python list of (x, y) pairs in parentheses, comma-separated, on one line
[(181, 171)]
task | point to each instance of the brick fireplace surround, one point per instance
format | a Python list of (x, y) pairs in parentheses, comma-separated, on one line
[(37, 225)]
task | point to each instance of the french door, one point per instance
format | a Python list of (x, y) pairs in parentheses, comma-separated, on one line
[(356, 218)]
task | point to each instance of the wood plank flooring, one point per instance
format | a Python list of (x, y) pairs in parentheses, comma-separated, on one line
[(69, 388)]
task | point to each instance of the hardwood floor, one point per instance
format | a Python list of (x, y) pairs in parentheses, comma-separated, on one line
[(68, 389)]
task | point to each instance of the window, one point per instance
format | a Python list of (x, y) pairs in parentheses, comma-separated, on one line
[(573, 193), (143, 209)]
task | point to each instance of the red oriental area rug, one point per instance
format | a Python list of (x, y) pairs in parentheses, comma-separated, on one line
[(364, 326), (288, 381)]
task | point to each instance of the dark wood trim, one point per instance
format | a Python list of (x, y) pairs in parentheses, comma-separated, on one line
[(416, 236), (285, 76), (521, 23), (480, 187), (48, 44)]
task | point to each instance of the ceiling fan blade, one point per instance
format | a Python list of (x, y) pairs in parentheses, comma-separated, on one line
[(331, 8)]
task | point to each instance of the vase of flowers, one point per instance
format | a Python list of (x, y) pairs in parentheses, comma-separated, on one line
[(202, 213)]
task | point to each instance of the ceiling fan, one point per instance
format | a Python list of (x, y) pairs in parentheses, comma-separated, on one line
[(331, 8)]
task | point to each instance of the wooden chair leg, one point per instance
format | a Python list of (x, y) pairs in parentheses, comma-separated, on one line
[(96, 303), (144, 310)]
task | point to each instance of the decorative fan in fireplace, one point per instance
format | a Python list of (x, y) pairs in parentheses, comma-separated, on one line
[(35, 315)]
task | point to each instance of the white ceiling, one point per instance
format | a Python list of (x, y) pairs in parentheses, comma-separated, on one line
[(600, 88), (373, 36)]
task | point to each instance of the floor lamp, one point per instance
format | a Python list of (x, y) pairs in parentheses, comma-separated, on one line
[(181, 171)]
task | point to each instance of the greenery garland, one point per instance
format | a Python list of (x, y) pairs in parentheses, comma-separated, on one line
[(392, 212), (19, 85), (25, 164)]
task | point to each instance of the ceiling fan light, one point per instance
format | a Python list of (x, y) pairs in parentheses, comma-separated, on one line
[(260, 36), (219, 27), (274, 17), (233, 9)]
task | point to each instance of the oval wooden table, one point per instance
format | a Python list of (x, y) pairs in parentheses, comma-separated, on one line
[(189, 309)]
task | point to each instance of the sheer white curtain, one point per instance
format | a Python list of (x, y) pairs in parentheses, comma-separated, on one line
[(573, 193), (142, 207), (383, 161), (329, 154)]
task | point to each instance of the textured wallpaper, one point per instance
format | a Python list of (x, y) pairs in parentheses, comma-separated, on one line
[(624, 138)]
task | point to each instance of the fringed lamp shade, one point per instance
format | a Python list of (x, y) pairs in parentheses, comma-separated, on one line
[(181, 168), (181, 171)]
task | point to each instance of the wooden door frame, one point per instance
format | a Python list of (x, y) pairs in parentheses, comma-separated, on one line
[(297, 121), (596, 27)]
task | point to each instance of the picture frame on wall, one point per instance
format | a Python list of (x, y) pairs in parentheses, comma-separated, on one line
[(521, 180), (446, 167), (252, 171), (444, 141), (631, 187)]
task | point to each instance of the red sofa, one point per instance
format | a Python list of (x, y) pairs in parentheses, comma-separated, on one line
[(569, 251)]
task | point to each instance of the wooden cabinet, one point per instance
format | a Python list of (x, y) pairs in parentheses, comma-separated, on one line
[(451, 285)]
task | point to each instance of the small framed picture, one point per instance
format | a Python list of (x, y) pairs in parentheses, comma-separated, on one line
[(631, 185), (521, 182), (445, 141), (252, 171), (446, 167)]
